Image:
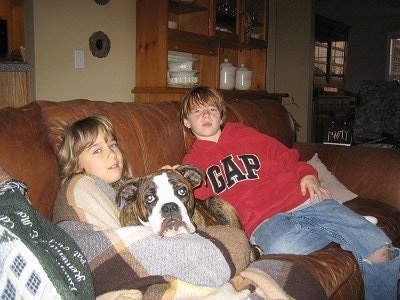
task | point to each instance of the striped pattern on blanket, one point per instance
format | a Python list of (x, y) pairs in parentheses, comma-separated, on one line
[(135, 258), (134, 263)]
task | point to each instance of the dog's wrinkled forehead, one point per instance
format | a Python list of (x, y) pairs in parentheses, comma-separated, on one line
[(162, 183), (166, 180)]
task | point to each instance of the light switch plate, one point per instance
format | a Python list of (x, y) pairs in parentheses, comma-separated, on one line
[(79, 59)]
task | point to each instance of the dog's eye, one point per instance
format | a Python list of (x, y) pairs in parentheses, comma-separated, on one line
[(150, 198), (181, 191)]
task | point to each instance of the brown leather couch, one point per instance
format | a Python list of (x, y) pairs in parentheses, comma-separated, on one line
[(151, 136)]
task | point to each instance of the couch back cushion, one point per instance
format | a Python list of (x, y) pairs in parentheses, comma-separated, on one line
[(268, 116), (26, 154), (148, 133)]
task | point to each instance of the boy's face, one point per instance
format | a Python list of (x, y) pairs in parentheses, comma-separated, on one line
[(102, 159), (205, 122)]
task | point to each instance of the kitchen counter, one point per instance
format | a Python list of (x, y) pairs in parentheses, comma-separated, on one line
[(14, 83), (15, 66)]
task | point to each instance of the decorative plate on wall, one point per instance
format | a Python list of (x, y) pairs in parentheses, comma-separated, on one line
[(99, 44)]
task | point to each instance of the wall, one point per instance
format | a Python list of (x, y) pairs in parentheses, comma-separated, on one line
[(55, 28), (291, 57), (371, 22)]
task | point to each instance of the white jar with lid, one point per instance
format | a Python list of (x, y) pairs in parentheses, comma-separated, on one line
[(227, 73), (243, 78)]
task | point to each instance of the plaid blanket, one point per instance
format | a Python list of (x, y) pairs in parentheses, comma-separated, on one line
[(134, 263)]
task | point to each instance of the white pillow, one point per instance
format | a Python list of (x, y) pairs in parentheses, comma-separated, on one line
[(330, 182)]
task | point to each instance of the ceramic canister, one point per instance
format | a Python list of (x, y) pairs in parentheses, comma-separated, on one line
[(243, 78), (227, 75)]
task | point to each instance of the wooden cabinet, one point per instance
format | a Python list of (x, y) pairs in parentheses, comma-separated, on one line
[(14, 89), (328, 110), (209, 31)]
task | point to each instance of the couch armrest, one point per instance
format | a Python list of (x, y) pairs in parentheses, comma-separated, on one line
[(372, 173)]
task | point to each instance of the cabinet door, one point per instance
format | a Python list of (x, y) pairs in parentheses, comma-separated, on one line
[(151, 43), (254, 22)]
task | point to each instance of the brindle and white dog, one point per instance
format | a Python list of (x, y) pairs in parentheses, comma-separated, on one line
[(164, 200)]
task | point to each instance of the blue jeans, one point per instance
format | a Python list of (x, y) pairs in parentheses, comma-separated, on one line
[(309, 229)]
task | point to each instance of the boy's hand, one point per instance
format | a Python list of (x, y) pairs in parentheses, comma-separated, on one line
[(311, 184)]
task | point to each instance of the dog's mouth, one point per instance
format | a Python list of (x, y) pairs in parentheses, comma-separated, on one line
[(171, 227)]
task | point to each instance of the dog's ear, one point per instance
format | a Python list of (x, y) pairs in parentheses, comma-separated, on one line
[(128, 190), (194, 175)]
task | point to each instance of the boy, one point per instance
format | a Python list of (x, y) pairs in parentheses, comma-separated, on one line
[(279, 199)]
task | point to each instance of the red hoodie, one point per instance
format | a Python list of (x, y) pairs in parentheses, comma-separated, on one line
[(256, 173)]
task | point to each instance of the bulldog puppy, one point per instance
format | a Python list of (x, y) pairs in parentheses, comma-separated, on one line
[(164, 201)]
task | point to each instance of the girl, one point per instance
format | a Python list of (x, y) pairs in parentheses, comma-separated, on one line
[(91, 164)]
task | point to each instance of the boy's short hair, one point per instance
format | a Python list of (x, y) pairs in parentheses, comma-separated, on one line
[(201, 96)]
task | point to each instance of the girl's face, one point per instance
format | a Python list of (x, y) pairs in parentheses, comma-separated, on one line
[(205, 122), (102, 159)]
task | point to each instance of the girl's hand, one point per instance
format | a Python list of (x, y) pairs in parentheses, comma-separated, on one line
[(311, 184)]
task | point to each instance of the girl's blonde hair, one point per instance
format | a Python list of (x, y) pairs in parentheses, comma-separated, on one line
[(78, 136), (201, 96)]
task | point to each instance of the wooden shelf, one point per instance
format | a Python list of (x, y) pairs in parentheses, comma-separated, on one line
[(176, 94), (179, 7), (192, 43), (196, 35)]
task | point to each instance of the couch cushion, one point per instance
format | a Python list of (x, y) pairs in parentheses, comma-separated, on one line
[(388, 217), (330, 182), (149, 133), (4, 176), (266, 115), (24, 133), (336, 270)]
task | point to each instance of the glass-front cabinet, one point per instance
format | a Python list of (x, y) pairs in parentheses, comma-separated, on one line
[(180, 43)]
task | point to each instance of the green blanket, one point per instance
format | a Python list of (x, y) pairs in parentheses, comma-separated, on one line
[(38, 260)]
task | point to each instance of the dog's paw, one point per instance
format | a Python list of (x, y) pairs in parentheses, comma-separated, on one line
[(255, 252)]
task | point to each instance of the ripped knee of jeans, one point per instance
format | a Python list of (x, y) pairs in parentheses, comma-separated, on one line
[(383, 254)]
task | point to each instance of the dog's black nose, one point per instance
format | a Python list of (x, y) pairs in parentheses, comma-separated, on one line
[(169, 207)]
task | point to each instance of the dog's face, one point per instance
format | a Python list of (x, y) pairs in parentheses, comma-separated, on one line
[(163, 200)]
